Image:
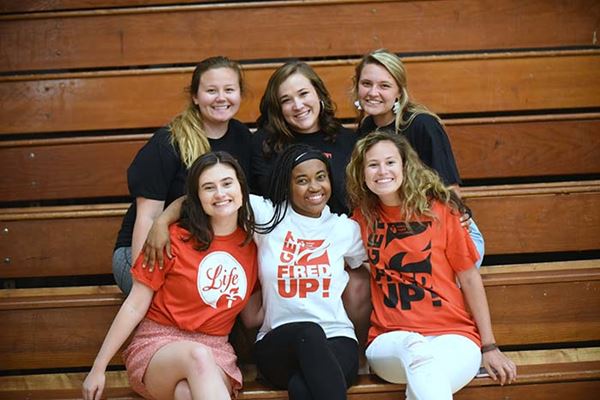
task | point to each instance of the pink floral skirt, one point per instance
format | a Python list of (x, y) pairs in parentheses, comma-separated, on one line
[(150, 336)]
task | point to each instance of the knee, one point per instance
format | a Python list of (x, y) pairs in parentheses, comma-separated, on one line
[(182, 391), (418, 352), (201, 359)]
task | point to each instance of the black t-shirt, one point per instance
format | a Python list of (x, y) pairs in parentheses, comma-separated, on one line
[(158, 173), (338, 154), (430, 141)]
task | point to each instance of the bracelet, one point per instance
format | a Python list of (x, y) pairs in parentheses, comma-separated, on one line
[(488, 347)]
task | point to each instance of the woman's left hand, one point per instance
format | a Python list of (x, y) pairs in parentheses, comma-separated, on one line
[(499, 366)]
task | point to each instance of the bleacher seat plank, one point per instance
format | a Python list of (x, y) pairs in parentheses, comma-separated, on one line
[(525, 146), (537, 218), (52, 327), (64, 327), (531, 299), (583, 376), (124, 37), (145, 98), (67, 168), (78, 240), (484, 148), (58, 241)]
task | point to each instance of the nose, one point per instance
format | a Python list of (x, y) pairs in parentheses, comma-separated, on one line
[(314, 185), (297, 103)]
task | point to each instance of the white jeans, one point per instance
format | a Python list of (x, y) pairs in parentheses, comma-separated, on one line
[(433, 367)]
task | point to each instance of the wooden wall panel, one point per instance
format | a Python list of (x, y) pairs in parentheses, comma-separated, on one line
[(28, 6), (267, 30), (141, 99)]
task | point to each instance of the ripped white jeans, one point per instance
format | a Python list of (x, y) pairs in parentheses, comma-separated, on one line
[(433, 367)]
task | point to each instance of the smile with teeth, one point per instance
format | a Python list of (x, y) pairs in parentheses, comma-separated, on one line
[(302, 115), (315, 198), (221, 203), (383, 180)]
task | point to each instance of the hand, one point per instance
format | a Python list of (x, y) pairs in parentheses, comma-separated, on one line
[(465, 220), (157, 240), (499, 366), (93, 385)]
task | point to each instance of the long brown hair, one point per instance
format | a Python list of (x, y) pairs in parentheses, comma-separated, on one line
[(194, 218), (271, 117)]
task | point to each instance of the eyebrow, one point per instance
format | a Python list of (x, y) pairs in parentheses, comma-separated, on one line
[(213, 183)]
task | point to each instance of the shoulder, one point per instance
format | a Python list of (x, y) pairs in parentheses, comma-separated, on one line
[(260, 136), (425, 122), (238, 128), (366, 126)]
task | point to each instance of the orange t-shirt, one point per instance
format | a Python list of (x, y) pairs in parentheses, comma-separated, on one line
[(413, 273), (201, 291)]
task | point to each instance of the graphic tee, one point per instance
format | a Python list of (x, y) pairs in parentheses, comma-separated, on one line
[(201, 291), (413, 273), (301, 268)]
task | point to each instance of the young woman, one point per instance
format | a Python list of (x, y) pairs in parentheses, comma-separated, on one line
[(185, 311), (422, 332), (157, 175), (297, 108), (306, 342), (381, 94)]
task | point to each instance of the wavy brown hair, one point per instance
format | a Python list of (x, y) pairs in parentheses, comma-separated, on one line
[(271, 119), (420, 184), (194, 218)]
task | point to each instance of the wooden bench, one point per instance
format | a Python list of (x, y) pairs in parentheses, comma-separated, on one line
[(527, 218), (531, 305), (86, 83)]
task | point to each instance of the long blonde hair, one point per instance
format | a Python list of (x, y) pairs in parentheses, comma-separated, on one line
[(187, 128), (408, 109), (420, 184)]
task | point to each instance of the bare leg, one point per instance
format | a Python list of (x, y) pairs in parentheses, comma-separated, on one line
[(187, 361), (182, 391)]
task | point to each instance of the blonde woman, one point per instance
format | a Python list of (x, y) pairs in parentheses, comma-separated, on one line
[(426, 330), (157, 174)]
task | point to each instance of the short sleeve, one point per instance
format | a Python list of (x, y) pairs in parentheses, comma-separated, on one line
[(260, 167), (156, 278), (430, 141), (262, 208), (154, 168), (356, 254), (460, 249)]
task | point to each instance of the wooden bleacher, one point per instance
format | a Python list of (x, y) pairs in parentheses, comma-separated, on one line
[(84, 84)]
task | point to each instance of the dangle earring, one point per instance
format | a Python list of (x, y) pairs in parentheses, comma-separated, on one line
[(396, 107), (322, 106), (357, 105)]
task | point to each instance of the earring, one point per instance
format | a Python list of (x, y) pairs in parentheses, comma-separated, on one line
[(396, 107), (357, 105)]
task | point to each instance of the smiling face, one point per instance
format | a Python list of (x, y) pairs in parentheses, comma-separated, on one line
[(383, 172), (377, 92), (310, 188), (220, 192), (218, 96), (300, 103)]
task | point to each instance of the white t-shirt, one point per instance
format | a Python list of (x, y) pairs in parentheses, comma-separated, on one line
[(301, 268)]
